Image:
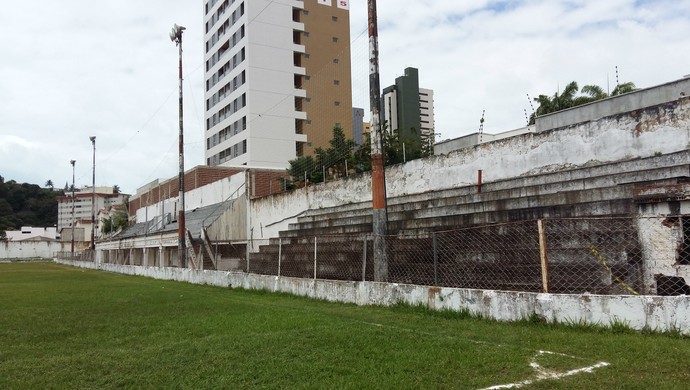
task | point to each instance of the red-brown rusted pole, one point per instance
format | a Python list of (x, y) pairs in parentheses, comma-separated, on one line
[(378, 182)]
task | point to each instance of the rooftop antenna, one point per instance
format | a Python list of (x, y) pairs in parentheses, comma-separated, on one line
[(481, 126), (616, 76), (529, 99)]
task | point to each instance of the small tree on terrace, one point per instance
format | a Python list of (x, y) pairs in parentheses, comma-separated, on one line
[(333, 158)]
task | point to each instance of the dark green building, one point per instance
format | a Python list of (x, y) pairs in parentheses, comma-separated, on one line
[(401, 108)]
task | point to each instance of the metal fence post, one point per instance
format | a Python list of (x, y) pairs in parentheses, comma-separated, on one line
[(542, 256), (280, 253), (314, 257), (433, 240), (247, 249), (364, 259)]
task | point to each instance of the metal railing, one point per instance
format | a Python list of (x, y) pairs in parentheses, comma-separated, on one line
[(83, 255)]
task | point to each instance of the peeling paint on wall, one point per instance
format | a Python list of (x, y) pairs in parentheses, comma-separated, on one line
[(638, 312)]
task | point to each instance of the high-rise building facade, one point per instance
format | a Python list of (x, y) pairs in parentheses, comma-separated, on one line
[(277, 79), (408, 109), (103, 197)]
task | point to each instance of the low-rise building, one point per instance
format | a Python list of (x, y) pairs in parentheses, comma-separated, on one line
[(33, 233)]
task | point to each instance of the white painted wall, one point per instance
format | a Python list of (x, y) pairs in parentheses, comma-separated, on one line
[(225, 189), (659, 243), (29, 249), (637, 312)]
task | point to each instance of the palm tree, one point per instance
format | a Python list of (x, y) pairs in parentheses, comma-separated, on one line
[(567, 98), (558, 102), (49, 184), (623, 88), (594, 92)]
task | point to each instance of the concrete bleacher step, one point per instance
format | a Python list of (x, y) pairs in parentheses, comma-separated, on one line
[(582, 186), (575, 180), (483, 202), (596, 190), (599, 201)]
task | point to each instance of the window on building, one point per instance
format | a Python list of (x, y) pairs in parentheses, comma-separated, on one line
[(335, 60), (334, 18), (336, 82), (335, 39), (337, 103)]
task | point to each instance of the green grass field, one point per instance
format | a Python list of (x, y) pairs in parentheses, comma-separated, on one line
[(68, 328)]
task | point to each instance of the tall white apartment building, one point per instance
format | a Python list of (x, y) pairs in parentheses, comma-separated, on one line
[(82, 201), (277, 76)]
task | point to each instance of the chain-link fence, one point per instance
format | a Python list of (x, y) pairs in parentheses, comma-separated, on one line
[(83, 255), (630, 255)]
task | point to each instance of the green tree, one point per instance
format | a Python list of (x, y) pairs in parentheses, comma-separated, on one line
[(568, 98), (339, 152), (332, 160), (27, 205), (118, 220), (302, 167), (362, 155), (49, 184), (623, 88)]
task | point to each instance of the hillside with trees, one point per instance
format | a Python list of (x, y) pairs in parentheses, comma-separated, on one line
[(27, 205)]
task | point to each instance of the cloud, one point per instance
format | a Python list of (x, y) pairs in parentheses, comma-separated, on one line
[(72, 69), (98, 68), (488, 55)]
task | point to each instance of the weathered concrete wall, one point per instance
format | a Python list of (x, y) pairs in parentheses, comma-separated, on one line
[(29, 249), (227, 188), (616, 105), (471, 140), (168, 239), (661, 242), (638, 312), (660, 129)]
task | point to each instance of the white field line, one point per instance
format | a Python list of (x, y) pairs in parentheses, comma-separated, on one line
[(541, 372)]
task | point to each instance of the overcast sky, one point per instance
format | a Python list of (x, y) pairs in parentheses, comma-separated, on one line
[(71, 69)]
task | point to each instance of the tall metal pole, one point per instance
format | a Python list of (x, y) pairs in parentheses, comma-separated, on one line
[(93, 196), (378, 183), (176, 36), (73, 221)]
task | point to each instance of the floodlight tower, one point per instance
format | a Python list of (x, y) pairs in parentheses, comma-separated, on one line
[(93, 196), (176, 36), (73, 221)]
